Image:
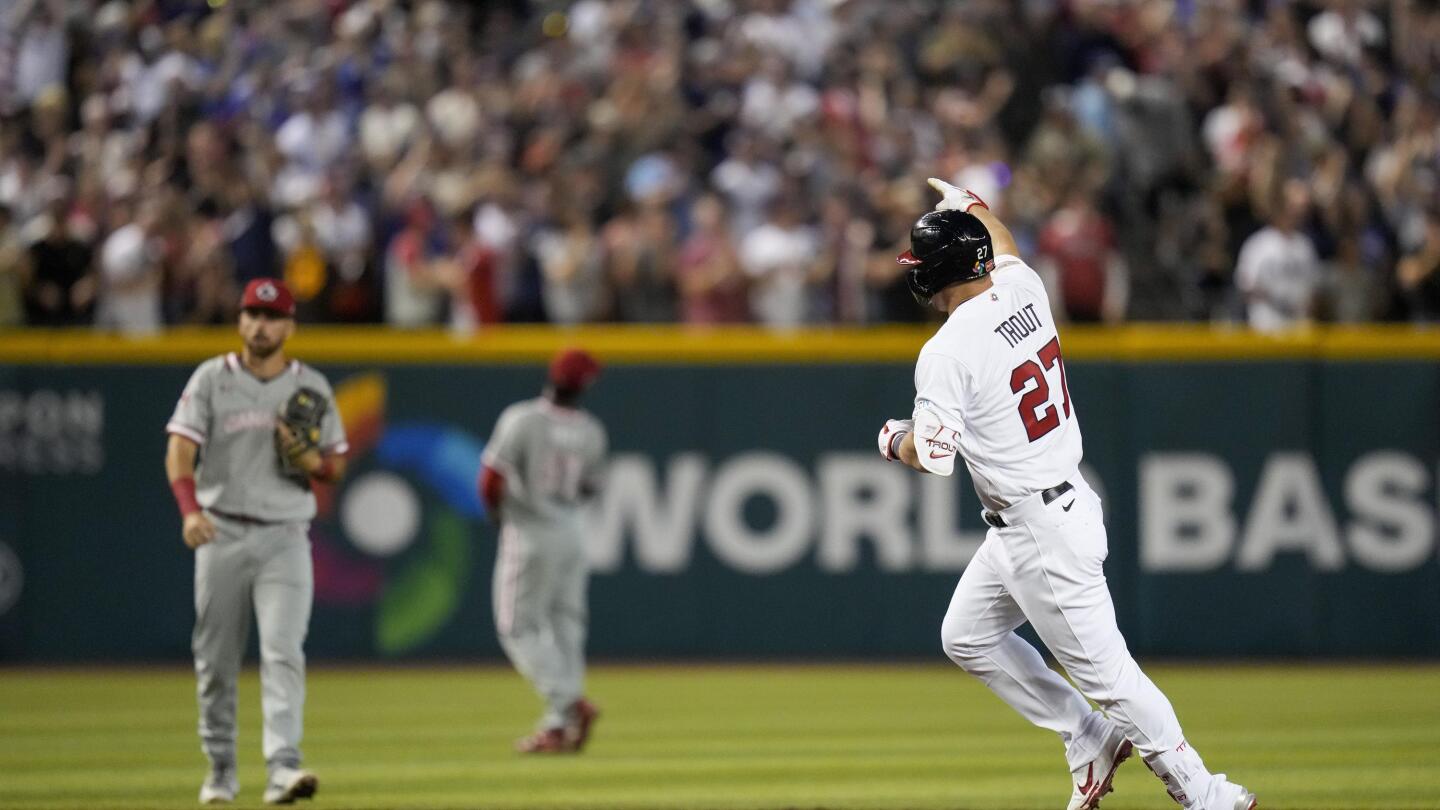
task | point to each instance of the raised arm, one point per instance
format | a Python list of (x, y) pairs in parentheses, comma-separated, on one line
[(1000, 236), (961, 199)]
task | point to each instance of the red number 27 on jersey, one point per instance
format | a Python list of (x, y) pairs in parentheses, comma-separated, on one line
[(1036, 410)]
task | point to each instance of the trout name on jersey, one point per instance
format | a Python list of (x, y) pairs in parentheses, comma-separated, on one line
[(1019, 326)]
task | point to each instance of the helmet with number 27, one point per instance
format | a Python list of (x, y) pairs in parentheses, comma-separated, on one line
[(946, 247)]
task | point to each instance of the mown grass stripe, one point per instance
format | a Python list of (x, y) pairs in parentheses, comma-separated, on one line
[(717, 738)]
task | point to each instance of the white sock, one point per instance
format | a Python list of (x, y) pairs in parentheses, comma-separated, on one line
[(1085, 746), (1184, 774)]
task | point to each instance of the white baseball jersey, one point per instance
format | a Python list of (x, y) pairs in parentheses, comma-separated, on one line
[(1280, 272), (990, 385)]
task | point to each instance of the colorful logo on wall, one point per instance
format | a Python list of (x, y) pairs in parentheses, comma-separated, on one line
[(398, 533)]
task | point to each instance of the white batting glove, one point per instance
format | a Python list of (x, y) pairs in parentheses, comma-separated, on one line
[(955, 198), (891, 435)]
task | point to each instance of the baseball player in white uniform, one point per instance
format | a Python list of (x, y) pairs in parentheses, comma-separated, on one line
[(241, 477), (543, 463), (991, 389)]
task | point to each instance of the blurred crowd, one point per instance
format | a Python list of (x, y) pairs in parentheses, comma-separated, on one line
[(429, 163)]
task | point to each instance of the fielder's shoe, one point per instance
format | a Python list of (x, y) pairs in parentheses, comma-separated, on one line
[(1226, 795), (220, 785), (585, 714), (545, 741), (288, 784), (1092, 780)]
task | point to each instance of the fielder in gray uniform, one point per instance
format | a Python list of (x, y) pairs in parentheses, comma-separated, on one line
[(543, 463), (241, 478)]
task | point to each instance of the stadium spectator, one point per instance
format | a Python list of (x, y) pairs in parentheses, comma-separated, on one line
[(572, 272), (313, 141), (204, 262), (1343, 32), (62, 284), (306, 271), (844, 240), (43, 51), (414, 290), (342, 230), (781, 259), (389, 124), (1077, 246), (774, 103), (1419, 279), (474, 279), (131, 273), (748, 181), (712, 284), (888, 294), (640, 247), (1352, 293), (1176, 118), (1278, 271), (14, 271), (454, 113), (249, 232)]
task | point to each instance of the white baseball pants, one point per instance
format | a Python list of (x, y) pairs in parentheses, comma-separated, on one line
[(1045, 566)]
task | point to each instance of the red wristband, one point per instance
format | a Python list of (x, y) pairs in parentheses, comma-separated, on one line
[(492, 488), (184, 491)]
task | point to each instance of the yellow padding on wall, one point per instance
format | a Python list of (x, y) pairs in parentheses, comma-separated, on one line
[(721, 345)]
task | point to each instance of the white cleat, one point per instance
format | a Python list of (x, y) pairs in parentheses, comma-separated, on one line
[(1092, 780), (1226, 795), (288, 784), (220, 786)]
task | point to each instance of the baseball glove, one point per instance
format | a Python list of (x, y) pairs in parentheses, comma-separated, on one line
[(301, 413)]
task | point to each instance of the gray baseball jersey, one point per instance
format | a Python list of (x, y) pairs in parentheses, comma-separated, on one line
[(552, 458), (231, 414)]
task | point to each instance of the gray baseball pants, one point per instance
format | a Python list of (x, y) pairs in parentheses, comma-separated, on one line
[(265, 569), (541, 614)]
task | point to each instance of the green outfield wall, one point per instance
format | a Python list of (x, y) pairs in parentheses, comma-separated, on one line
[(1263, 498)]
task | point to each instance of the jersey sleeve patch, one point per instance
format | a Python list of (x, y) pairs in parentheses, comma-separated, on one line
[(936, 443)]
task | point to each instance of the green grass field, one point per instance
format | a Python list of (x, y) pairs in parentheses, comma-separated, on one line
[(914, 736)]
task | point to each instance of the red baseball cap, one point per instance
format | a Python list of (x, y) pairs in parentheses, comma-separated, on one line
[(574, 369), (270, 294)]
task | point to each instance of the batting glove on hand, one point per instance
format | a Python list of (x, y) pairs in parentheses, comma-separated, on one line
[(891, 435), (955, 199)]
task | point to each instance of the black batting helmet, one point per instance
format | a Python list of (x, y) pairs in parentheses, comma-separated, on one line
[(946, 247)]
